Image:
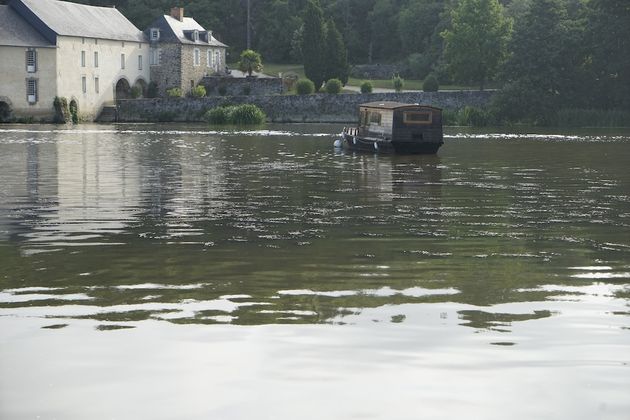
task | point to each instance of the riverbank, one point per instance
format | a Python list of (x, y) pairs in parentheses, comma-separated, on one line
[(291, 108)]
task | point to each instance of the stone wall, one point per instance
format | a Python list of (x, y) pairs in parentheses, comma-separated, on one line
[(291, 108), (236, 86)]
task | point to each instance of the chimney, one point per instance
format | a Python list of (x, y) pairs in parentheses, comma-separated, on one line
[(177, 13)]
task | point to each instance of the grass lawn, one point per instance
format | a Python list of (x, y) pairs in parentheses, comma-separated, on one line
[(274, 69)]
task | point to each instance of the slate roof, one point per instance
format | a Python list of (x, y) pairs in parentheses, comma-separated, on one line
[(79, 20), (16, 32), (172, 30)]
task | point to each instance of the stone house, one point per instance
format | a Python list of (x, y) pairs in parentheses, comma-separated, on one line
[(87, 54), (182, 52)]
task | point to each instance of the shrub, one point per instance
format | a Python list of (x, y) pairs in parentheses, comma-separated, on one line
[(174, 93), (333, 86), (366, 87), (198, 91), (219, 115), (62, 112), (239, 115), (247, 114), (398, 83), (136, 92), (430, 84), (474, 116), (305, 87)]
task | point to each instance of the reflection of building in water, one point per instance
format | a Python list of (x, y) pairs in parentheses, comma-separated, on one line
[(28, 173), (98, 184), (78, 186)]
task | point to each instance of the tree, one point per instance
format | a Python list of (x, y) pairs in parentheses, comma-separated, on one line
[(336, 55), (539, 76), (250, 62), (313, 44), (609, 44), (476, 43)]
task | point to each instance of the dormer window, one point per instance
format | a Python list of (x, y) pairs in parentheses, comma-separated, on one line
[(195, 36), (155, 34)]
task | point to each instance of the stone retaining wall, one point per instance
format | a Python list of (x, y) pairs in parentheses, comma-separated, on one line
[(236, 86), (291, 108)]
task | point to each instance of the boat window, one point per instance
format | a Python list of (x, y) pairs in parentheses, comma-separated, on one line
[(375, 118), (364, 118), (417, 117)]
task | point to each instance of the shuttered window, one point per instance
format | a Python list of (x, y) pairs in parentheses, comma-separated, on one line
[(31, 60), (31, 90)]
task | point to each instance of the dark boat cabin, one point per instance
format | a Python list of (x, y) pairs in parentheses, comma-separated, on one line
[(408, 127)]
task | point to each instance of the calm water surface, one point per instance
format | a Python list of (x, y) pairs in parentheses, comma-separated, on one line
[(173, 272)]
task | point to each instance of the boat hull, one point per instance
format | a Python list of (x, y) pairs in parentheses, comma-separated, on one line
[(363, 144)]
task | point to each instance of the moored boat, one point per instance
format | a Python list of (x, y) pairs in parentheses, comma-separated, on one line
[(394, 127)]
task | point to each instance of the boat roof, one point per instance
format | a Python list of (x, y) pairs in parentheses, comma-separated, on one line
[(394, 105)]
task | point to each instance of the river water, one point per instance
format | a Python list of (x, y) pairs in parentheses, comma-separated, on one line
[(177, 272)]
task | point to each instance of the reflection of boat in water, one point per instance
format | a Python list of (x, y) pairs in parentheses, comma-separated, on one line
[(393, 127)]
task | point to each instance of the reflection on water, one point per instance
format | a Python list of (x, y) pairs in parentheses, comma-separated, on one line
[(123, 225), (308, 279)]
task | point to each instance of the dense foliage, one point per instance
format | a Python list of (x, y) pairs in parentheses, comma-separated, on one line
[(250, 62), (246, 114)]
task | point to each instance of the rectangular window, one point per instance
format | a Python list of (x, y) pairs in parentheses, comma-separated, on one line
[(122, 61), (95, 58), (95, 41), (416, 117), (375, 118), (31, 90), (82, 58), (197, 58), (209, 58), (139, 62), (154, 56), (84, 84), (31, 60), (155, 34), (96, 86)]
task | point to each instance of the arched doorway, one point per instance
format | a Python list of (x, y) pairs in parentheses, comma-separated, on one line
[(5, 112), (74, 111), (139, 89), (123, 90)]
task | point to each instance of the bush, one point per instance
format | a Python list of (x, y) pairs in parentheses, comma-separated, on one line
[(333, 86), (62, 112), (305, 87), (572, 117), (174, 93), (398, 83), (239, 115), (219, 115), (198, 91), (430, 84), (136, 92), (247, 114), (366, 87)]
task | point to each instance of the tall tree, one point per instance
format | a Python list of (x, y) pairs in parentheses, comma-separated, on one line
[(476, 43), (313, 43), (336, 54), (540, 72), (609, 33)]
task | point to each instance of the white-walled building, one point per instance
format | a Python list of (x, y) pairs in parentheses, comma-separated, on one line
[(89, 55)]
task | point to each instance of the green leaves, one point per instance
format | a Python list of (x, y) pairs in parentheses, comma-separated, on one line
[(476, 43)]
